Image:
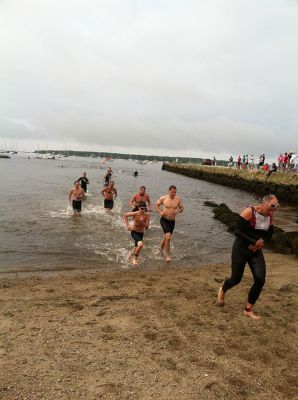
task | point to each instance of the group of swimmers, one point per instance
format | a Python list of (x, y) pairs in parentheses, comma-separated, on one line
[(167, 206), (254, 228)]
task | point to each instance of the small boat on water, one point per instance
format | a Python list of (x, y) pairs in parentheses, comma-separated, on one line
[(5, 155)]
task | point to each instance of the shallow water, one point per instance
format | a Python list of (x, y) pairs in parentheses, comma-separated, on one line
[(37, 232)]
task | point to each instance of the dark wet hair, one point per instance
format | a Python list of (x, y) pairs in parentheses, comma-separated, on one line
[(143, 187), (76, 182), (172, 187)]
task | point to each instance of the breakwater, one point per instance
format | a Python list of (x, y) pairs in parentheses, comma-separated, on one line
[(283, 184)]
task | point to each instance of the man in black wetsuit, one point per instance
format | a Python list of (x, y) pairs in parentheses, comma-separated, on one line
[(253, 228), (84, 181)]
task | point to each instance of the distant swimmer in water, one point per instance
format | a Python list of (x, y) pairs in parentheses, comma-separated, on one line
[(171, 207), (76, 195), (255, 226), (84, 181), (142, 196), (109, 193), (140, 223), (135, 174)]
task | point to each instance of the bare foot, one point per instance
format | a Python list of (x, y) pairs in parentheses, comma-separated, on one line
[(129, 255), (135, 260), (168, 258), (221, 297), (251, 314)]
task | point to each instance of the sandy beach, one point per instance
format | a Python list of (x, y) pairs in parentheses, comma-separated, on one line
[(148, 334)]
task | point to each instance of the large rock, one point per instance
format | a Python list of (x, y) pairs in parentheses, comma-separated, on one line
[(281, 242)]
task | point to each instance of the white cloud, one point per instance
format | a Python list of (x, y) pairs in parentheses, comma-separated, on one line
[(210, 77)]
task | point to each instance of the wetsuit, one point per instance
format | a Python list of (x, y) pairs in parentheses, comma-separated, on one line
[(167, 225), (247, 233), (107, 179), (84, 181)]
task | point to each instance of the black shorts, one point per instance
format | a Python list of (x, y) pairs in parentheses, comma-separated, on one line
[(167, 225), (136, 208), (77, 205), (108, 203), (137, 237)]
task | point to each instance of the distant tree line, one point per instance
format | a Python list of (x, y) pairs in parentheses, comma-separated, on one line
[(140, 157)]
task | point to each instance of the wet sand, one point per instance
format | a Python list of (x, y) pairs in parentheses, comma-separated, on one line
[(148, 334)]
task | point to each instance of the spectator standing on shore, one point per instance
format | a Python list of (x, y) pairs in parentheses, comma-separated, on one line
[(280, 161), (251, 161), (289, 161), (285, 161), (294, 162), (243, 165), (261, 160), (255, 226), (230, 163), (214, 161), (246, 161), (239, 162)]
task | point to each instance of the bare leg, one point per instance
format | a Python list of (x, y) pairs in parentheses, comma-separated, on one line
[(221, 297), (162, 245), (139, 248), (248, 312), (168, 237), (135, 260), (130, 254), (136, 252)]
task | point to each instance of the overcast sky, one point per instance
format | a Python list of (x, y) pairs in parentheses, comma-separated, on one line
[(201, 77)]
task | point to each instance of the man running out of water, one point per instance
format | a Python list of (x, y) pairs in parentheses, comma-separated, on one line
[(254, 227), (140, 223), (109, 193), (76, 195), (171, 206), (84, 181), (141, 196)]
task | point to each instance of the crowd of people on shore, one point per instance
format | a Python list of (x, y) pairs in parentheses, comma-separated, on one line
[(254, 228), (285, 162)]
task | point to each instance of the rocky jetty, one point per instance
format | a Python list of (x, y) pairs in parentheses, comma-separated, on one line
[(281, 242), (283, 184)]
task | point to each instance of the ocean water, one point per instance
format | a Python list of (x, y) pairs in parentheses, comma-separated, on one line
[(38, 233)]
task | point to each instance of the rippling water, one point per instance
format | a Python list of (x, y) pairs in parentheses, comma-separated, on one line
[(36, 231)]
